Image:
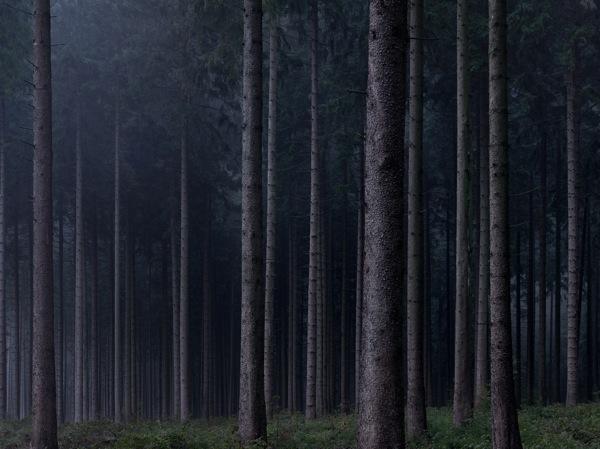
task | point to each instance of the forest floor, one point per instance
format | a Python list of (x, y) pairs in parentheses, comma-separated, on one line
[(554, 427)]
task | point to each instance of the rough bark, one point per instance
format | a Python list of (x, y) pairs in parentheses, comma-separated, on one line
[(483, 294), (184, 320), (573, 238), (381, 411), (3, 308), (43, 378), (252, 413), (118, 412), (541, 338), (462, 391), (415, 394), (270, 261), (79, 269), (505, 426), (314, 245)]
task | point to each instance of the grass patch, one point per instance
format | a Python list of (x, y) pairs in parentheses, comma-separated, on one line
[(554, 427)]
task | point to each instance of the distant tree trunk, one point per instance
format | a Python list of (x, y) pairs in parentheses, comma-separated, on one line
[(505, 426), (381, 411), (59, 343), (3, 308), (483, 295), (43, 379), (292, 320), (415, 400), (118, 412), (541, 341), (94, 379), (17, 329), (184, 318), (573, 306), (518, 321), (79, 272), (314, 244), (271, 214), (360, 257), (557, 284), (175, 312), (531, 299), (207, 330), (343, 324), (589, 314), (462, 392), (252, 413)]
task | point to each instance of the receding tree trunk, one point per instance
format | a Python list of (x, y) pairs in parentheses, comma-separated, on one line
[(118, 412), (207, 341), (17, 327), (518, 321), (252, 413), (3, 308), (505, 426), (60, 341), (415, 399), (175, 318), (43, 379), (184, 306), (381, 411), (483, 294), (314, 244), (541, 341), (573, 240), (360, 257), (343, 312), (79, 270), (271, 214), (557, 285), (292, 320), (462, 391), (530, 299), (589, 372), (94, 379)]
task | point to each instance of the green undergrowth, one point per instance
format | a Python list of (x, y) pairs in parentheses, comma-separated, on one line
[(554, 427)]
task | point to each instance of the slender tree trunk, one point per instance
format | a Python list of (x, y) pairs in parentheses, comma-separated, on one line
[(207, 341), (17, 295), (531, 300), (184, 319), (462, 392), (557, 284), (541, 341), (291, 343), (118, 412), (3, 308), (271, 214), (343, 325), (483, 294), (175, 312), (381, 411), (79, 270), (518, 321), (94, 379), (59, 344), (415, 400), (252, 413), (43, 379), (360, 257), (573, 241), (314, 245), (589, 372), (505, 426)]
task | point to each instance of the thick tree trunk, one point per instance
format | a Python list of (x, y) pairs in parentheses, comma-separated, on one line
[(3, 308), (43, 379), (314, 244), (184, 318), (462, 390), (541, 340), (271, 214), (505, 426), (531, 300), (415, 399), (483, 294), (79, 271), (381, 411), (573, 240), (557, 285), (252, 413), (118, 412)]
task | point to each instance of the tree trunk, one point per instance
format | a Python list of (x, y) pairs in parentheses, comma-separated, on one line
[(505, 426), (3, 308), (589, 372), (343, 325), (271, 215), (252, 413), (483, 294), (557, 285), (360, 257), (118, 415), (314, 245), (175, 318), (17, 295), (381, 411), (415, 399), (462, 391), (541, 341), (573, 240), (59, 344), (531, 300), (43, 379), (184, 318), (207, 341), (79, 271), (518, 321), (94, 379)]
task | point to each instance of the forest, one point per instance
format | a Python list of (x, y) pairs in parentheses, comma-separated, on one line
[(299, 224)]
